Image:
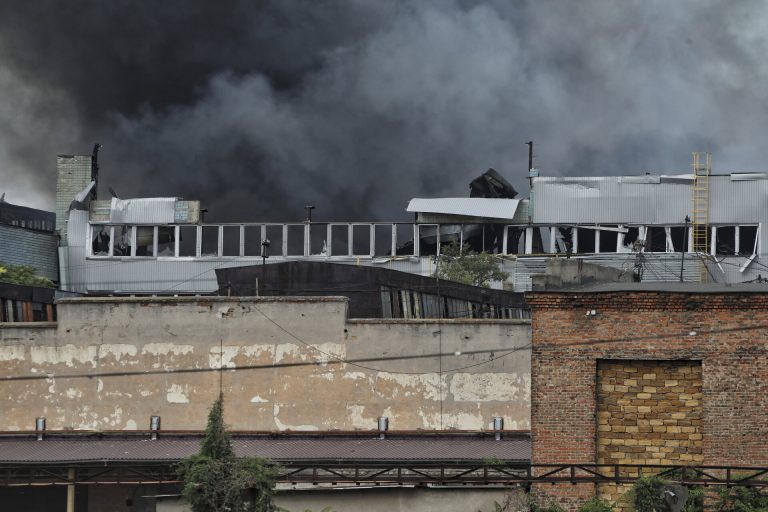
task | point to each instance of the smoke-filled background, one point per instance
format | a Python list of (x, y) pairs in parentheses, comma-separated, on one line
[(355, 106)]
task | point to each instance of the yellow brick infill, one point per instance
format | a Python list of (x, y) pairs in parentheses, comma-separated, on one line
[(648, 412)]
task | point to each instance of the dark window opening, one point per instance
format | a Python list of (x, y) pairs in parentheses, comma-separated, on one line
[(166, 241), (275, 238), (122, 243), (187, 240), (586, 240), (296, 240), (428, 240), (679, 236), (231, 241), (252, 235), (725, 240), (100, 240), (210, 241), (318, 233), (632, 239), (383, 240), (656, 240), (608, 240), (340, 240), (747, 240), (515, 240), (145, 241), (564, 240), (361, 240)]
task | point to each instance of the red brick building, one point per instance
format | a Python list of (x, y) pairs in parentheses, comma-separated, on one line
[(648, 374)]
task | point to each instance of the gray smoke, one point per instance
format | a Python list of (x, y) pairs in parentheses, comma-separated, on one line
[(355, 106)]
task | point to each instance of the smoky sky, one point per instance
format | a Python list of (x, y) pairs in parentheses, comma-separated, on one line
[(260, 107)]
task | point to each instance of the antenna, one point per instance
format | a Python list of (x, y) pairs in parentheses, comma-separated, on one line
[(530, 154)]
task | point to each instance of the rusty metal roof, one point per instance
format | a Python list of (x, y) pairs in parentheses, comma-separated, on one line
[(59, 450)]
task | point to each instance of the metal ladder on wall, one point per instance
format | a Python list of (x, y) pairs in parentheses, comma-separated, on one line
[(702, 169)]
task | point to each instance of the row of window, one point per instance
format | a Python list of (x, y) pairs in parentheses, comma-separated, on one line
[(370, 240)]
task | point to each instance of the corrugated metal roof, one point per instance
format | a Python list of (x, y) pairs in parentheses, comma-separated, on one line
[(167, 449), (466, 206)]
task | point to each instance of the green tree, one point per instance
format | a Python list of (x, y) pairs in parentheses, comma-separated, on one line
[(216, 481), (467, 266), (23, 274)]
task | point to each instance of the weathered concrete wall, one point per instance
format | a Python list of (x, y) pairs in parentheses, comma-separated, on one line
[(388, 500), (125, 357)]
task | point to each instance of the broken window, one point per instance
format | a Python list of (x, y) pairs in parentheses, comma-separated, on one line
[(656, 239), (166, 241), (187, 240), (100, 240), (725, 240), (404, 243), (318, 233), (339, 240), (747, 240), (145, 241), (275, 239), (515, 240), (383, 240), (252, 242), (121, 245), (586, 239), (209, 245), (231, 241), (679, 236), (428, 240), (608, 239), (631, 240), (564, 239), (295, 240), (361, 240)]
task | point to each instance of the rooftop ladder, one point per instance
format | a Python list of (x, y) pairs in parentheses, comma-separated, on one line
[(702, 169)]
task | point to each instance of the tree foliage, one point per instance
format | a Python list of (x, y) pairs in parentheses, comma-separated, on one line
[(467, 266), (216, 481), (742, 499), (23, 274)]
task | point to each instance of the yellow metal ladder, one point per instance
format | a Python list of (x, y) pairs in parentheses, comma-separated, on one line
[(702, 169)]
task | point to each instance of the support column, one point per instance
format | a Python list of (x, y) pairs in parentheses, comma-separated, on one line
[(71, 490)]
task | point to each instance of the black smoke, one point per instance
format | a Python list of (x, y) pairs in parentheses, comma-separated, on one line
[(258, 108)]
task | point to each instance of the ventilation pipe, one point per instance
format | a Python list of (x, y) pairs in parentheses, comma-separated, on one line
[(383, 426), (154, 426), (498, 426), (40, 427)]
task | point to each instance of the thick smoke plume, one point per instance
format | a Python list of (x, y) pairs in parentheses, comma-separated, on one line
[(258, 108)]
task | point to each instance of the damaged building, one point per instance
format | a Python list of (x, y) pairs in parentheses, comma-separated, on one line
[(636, 224)]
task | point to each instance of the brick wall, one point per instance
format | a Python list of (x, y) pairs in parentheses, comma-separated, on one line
[(726, 334)]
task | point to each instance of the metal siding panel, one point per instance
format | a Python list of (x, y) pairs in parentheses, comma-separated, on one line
[(607, 200), (23, 247), (467, 206)]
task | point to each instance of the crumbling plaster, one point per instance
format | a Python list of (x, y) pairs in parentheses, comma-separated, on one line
[(164, 355)]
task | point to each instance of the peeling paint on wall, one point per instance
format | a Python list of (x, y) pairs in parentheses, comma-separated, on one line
[(176, 394), (66, 354), (162, 349), (398, 385), (12, 353), (488, 387)]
